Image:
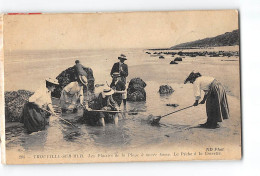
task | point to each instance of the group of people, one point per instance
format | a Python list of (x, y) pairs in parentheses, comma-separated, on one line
[(39, 107)]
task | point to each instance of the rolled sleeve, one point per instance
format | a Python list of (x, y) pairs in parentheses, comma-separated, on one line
[(81, 96), (196, 90)]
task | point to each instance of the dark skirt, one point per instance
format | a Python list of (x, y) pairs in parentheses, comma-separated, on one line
[(217, 104), (92, 118), (33, 118)]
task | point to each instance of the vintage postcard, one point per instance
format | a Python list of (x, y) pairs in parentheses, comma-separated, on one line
[(120, 87)]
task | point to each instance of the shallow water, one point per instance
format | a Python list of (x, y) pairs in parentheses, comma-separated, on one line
[(133, 131)]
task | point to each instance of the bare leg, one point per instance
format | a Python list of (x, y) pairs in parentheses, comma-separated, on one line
[(102, 121), (116, 119), (124, 102)]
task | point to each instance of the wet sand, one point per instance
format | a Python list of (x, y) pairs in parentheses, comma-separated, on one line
[(175, 132)]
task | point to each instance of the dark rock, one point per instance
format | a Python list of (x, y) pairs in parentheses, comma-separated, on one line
[(161, 57), (69, 75), (178, 59), (202, 53), (172, 105), (166, 89), (173, 62), (72, 136), (99, 85), (14, 103), (135, 90), (180, 53)]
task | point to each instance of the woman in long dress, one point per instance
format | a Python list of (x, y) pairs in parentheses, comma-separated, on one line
[(36, 111), (215, 97), (72, 95)]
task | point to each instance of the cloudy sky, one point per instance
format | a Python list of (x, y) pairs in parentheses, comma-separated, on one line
[(114, 30)]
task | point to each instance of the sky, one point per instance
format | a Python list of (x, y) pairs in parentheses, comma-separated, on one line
[(114, 30)]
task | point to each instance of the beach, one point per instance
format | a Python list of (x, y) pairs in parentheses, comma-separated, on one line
[(28, 69)]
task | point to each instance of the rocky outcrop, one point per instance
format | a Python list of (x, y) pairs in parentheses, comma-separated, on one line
[(178, 59), (166, 89), (14, 103), (135, 90), (173, 62), (172, 105), (196, 54), (69, 75)]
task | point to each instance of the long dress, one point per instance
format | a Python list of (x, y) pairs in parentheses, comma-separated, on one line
[(71, 95), (216, 103), (33, 116)]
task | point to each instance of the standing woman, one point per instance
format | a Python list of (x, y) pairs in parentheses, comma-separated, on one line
[(72, 95), (35, 112), (215, 98)]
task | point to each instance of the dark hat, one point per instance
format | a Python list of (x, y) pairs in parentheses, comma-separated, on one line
[(192, 76), (122, 56)]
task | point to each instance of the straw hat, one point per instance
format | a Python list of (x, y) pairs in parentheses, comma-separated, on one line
[(116, 74), (83, 80), (107, 91), (122, 56), (53, 81)]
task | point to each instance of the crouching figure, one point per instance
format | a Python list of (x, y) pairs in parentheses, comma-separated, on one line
[(102, 114), (72, 95), (36, 112)]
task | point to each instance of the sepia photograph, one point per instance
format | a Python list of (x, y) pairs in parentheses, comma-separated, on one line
[(121, 87)]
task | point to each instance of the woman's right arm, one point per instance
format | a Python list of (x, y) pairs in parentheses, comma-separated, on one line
[(197, 92), (204, 98)]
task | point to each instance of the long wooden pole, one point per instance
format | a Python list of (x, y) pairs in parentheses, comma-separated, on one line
[(176, 111), (113, 111), (156, 120), (61, 118)]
